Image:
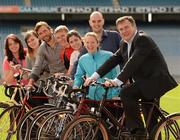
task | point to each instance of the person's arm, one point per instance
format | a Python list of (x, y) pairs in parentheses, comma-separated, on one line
[(73, 59), (112, 62), (38, 66), (31, 82), (78, 79), (8, 76), (73, 71), (69, 70), (8, 72), (28, 62)]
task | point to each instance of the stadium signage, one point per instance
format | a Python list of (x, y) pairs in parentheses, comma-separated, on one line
[(24, 9), (87, 10), (108, 10), (141, 9), (76, 9)]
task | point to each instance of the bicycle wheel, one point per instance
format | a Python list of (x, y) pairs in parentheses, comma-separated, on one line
[(53, 125), (3, 106), (27, 119), (9, 119), (36, 123), (85, 128), (170, 125)]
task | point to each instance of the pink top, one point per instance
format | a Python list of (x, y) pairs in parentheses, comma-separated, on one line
[(6, 67)]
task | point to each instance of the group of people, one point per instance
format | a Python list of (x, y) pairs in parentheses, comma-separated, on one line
[(129, 58)]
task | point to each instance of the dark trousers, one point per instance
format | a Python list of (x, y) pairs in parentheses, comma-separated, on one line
[(130, 95), (154, 116)]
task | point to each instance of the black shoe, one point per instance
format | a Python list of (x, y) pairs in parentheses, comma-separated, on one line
[(139, 131), (137, 134)]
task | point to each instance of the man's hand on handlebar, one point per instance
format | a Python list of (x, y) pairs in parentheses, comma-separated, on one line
[(88, 81), (110, 83)]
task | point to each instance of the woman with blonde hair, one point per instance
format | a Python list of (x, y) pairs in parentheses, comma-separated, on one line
[(89, 63)]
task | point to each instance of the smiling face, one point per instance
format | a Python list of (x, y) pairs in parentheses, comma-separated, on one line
[(126, 29), (91, 43), (75, 42), (44, 33), (96, 22), (13, 46), (33, 42), (61, 38)]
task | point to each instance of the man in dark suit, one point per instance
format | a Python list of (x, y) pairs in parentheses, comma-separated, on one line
[(143, 66)]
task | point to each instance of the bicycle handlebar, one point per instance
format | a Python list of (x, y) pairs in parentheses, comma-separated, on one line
[(8, 87)]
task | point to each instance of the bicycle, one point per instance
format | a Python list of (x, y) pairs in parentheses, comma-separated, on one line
[(172, 124), (29, 117), (58, 87), (52, 126), (17, 106), (31, 114), (93, 127)]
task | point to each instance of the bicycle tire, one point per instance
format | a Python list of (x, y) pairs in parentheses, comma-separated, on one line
[(53, 125), (27, 118), (77, 128), (172, 125), (34, 125), (3, 106), (9, 119)]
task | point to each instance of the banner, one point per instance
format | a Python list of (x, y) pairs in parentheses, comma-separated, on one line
[(9, 9), (87, 9)]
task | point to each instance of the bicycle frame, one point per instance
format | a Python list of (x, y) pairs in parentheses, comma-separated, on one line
[(120, 122)]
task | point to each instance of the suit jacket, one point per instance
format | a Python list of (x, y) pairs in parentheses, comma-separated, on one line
[(146, 66)]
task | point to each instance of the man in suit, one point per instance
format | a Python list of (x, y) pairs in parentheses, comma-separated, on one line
[(144, 68)]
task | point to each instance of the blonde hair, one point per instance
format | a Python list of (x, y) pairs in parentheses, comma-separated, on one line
[(129, 18), (61, 28), (93, 34)]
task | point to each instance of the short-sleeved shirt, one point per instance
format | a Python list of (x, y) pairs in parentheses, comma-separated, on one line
[(6, 67)]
